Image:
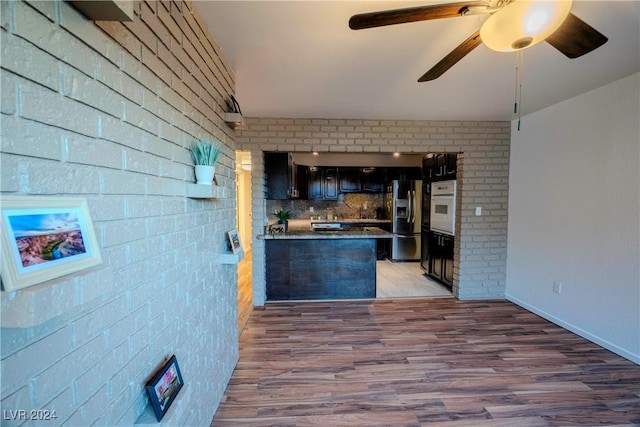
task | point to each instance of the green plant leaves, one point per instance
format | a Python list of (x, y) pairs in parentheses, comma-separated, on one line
[(205, 152)]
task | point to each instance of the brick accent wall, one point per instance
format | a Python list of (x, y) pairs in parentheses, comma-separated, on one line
[(106, 111), (483, 180)]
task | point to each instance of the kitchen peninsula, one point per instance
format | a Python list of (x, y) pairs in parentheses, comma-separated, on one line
[(305, 264)]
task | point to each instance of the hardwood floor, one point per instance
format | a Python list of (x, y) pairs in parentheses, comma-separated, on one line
[(245, 290), (422, 362)]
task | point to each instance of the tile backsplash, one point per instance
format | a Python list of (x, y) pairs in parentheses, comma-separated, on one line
[(349, 205)]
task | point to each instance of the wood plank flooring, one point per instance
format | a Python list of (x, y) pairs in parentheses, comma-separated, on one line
[(245, 290), (422, 362)]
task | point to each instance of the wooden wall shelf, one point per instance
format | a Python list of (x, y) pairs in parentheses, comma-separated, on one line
[(199, 191), (231, 258), (234, 120), (105, 10)]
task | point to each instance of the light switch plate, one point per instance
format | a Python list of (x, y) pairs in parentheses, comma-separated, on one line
[(478, 210)]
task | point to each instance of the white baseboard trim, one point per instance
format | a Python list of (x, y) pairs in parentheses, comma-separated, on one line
[(635, 358)]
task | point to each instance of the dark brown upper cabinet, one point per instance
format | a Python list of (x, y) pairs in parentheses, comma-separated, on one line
[(315, 183), (372, 180), (276, 170), (330, 183), (439, 166), (283, 178), (349, 180)]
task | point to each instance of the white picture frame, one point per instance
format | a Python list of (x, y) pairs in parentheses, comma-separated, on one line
[(44, 237), (234, 241)]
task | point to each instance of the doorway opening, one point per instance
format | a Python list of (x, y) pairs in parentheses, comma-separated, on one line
[(243, 209)]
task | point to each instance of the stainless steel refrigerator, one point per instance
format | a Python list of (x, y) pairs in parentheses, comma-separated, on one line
[(403, 205)]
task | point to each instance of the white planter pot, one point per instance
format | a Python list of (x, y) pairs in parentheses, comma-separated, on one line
[(204, 174)]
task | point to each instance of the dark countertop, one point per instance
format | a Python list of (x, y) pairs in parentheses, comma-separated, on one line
[(353, 221), (301, 229)]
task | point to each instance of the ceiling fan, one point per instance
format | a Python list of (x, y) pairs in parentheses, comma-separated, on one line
[(512, 25)]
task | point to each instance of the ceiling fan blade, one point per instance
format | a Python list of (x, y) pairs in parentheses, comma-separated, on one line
[(453, 57), (575, 37), (412, 14)]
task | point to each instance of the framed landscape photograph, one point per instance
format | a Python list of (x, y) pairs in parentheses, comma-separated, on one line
[(164, 387), (234, 241), (44, 238)]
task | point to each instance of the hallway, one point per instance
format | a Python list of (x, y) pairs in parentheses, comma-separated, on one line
[(245, 290)]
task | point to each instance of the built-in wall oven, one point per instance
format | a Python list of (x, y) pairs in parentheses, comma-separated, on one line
[(443, 207)]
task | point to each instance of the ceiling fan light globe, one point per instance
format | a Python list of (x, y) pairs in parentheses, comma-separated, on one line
[(523, 23), (522, 43)]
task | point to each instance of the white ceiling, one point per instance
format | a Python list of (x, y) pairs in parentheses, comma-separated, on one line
[(300, 59)]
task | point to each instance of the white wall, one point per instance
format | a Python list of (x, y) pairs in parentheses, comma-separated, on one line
[(574, 209), (106, 111)]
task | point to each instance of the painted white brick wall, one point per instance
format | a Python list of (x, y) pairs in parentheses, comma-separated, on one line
[(483, 180), (106, 111)]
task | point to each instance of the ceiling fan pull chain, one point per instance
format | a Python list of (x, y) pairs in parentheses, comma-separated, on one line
[(515, 92), (519, 74), (520, 88)]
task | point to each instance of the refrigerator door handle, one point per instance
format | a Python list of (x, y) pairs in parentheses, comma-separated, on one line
[(413, 207), (409, 213)]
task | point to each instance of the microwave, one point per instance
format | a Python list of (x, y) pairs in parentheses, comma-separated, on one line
[(443, 207)]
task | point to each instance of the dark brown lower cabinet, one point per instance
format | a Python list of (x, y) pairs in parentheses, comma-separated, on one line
[(320, 269), (441, 257)]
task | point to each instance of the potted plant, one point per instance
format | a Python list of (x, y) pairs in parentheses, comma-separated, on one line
[(205, 154), (283, 218)]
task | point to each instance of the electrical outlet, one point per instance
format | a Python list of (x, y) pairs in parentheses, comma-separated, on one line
[(310, 208), (557, 287)]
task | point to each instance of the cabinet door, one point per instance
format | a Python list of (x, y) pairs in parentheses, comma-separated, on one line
[(436, 256), (450, 166), (403, 174), (291, 168), (330, 184), (440, 162), (412, 173), (315, 186), (447, 256), (302, 181), (276, 168), (349, 180), (428, 167), (424, 252), (373, 180), (391, 174)]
